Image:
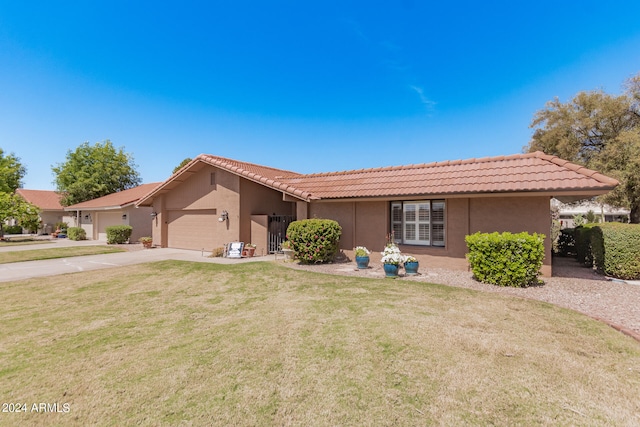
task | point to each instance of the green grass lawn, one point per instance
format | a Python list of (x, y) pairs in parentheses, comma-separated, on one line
[(259, 344), (22, 242), (40, 254)]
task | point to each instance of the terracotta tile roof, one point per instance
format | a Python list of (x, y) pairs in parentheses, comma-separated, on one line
[(115, 200), (532, 172), (519, 173), (265, 175), (46, 200)]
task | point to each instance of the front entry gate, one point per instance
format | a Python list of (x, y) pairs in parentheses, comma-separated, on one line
[(278, 231)]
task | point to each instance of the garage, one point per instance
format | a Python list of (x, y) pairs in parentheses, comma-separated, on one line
[(104, 220), (193, 229)]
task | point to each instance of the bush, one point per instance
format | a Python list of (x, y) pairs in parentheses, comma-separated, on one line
[(616, 249), (566, 245), (506, 259), (76, 233), (314, 240), (12, 229), (118, 234), (583, 244)]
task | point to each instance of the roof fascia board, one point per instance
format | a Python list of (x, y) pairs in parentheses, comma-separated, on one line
[(405, 197), (100, 208)]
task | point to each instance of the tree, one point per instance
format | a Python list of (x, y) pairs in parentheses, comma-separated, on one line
[(182, 163), (15, 207), (11, 172), (93, 171), (601, 132)]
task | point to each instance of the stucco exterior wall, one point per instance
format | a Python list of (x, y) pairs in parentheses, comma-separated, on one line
[(514, 214), (343, 213), (49, 219), (206, 202), (256, 199), (367, 224), (140, 220), (197, 195)]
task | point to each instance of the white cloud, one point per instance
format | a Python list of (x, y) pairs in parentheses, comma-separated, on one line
[(423, 98)]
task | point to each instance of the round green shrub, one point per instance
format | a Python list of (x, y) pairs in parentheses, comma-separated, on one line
[(506, 259), (76, 233), (314, 240), (118, 234)]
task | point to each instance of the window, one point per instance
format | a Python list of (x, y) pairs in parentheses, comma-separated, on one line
[(419, 222), (212, 179)]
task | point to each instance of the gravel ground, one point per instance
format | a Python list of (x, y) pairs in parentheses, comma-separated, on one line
[(572, 286)]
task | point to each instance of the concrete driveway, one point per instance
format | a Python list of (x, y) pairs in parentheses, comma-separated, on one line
[(52, 267)]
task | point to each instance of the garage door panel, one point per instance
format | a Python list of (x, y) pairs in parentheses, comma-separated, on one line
[(191, 229), (107, 219)]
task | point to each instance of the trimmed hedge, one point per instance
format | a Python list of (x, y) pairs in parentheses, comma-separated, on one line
[(118, 234), (566, 245), (616, 249), (583, 244), (314, 240), (506, 259), (12, 229), (76, 233)]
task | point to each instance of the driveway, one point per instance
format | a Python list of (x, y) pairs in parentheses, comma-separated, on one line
[(52, 267)]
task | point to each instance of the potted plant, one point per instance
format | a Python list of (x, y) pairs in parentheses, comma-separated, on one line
[(391, 260), (249, 250), (362, 257), (411, 266), (146, 241), (287, 250)]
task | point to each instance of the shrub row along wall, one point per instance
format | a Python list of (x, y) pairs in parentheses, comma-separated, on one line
[(616, 249), (506, 259), (582, 235)]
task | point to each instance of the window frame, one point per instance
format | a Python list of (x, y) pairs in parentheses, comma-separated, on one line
[(404, 225)]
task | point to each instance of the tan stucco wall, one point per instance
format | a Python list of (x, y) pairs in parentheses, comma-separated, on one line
[(256, 199), (343, 213), (195, 194), (49, 218), (241, 198), (367, 224), (140, 220), (514, 214)]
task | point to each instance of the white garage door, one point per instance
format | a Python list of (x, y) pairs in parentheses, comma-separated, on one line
[(106, 219), (191, 229)]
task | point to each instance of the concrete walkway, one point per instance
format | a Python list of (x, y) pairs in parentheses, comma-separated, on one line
[(52, 267)]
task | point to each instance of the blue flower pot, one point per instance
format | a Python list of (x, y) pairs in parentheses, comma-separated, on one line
[(411, 268), (391, 270), (362, 262)]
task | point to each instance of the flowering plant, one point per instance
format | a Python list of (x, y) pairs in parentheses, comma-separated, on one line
[(287, 245), (392, 255), (362, 251), (410, 259)]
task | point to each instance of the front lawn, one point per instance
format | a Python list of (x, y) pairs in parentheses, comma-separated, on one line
[(51, 253), (258, 344)]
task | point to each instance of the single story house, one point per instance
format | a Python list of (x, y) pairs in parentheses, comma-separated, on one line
[(51, 211), (428, 209), (119, 208)]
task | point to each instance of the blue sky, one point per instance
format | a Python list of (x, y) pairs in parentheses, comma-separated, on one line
[(305, 86)]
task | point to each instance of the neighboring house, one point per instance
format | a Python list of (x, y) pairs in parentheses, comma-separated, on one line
[(51, 211), (94, 216), (429, 208), (604, 213)]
